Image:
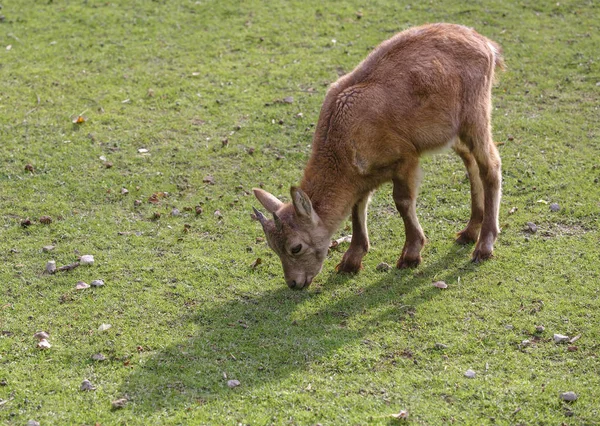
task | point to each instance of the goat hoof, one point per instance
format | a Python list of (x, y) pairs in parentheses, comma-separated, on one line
[(465, 237), (348, 267), (480, 255), (405, 262)]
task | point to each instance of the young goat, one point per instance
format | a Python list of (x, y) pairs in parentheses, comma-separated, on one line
[(424, 89)]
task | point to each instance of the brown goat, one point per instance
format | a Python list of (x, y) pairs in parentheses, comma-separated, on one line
[(424, 89)]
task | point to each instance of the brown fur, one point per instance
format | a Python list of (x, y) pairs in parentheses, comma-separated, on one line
[(424, 89)]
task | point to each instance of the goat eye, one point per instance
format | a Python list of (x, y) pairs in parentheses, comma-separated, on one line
[(296, 249)]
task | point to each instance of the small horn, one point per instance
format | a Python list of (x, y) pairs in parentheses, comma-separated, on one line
[(259, 216), (277, 221)]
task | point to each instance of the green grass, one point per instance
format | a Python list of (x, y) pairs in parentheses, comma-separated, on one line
[(186, 308)]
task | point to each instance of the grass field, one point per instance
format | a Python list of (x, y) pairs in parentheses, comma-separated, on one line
[(205, 87)]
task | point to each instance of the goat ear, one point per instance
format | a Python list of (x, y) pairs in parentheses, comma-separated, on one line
[(269, 201), (303, 205)]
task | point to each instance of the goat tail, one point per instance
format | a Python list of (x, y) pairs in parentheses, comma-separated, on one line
[(497, 53)]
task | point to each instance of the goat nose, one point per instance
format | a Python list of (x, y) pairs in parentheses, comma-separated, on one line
[(291, 284)]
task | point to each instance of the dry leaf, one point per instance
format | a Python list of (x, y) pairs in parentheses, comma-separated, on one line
[(97, 283), (44, 344), (104, 327), (402, 415), (257, 262), (46, 220), (344, 239), (81, 285), (41, 335), (79, 119), (440, 284), (69, 267)]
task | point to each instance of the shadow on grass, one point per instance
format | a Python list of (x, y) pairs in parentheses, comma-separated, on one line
[(262, 339)]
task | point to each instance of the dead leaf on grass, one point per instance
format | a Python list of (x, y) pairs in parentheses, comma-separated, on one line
[(44, 344), (46, 220), (440, 284), (41, 335), (119, 403), (257, 262), (81, 285), (402, 415)]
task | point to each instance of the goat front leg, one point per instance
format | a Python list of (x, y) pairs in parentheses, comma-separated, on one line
[(406, 185), (359, 245)]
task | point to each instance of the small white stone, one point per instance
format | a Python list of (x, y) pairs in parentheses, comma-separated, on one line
[(142, 150), (104, 327), (233, 383), (44, 344), (97, 283), (560, 338), (470, 374), (51, 267), (87, 259)]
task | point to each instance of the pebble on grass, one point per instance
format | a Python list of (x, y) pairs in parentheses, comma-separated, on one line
[(470, 374), (119, 403), (383, 267), (87, 259), (97, 283), (560, 338), (233, 383), (99, 357), (51, 267), (568, 396), (86, 385)]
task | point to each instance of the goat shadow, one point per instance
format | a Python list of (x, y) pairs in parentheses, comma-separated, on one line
[(262, 339)]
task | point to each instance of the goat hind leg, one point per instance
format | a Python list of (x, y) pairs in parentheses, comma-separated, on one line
[(488, 161), (471, 232)]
